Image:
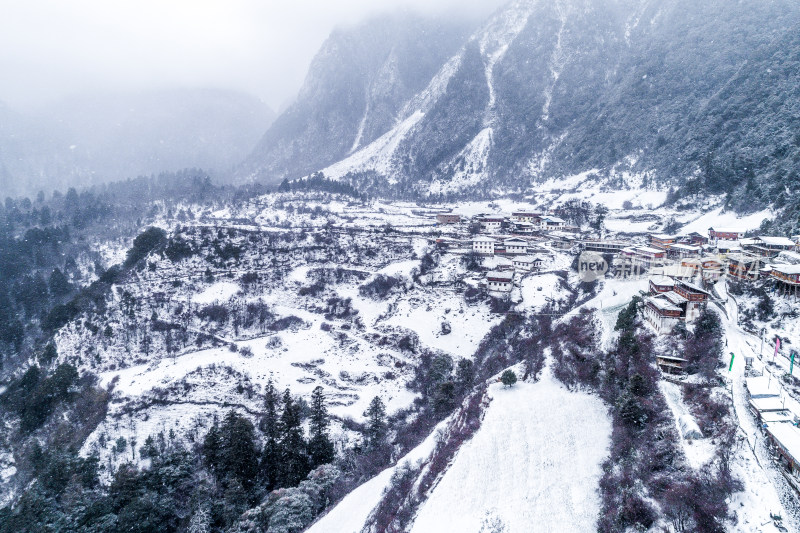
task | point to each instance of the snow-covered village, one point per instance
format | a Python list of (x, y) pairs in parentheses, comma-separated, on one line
[(469, 266), (404, 316)]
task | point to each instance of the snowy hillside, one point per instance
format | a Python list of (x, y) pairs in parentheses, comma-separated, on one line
[(535, 460), (375, 326)]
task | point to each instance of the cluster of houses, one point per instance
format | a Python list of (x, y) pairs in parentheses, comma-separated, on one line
[(518, 222), (671, 301), (725, 250), (518, 238), (683, 258), (779, 424)]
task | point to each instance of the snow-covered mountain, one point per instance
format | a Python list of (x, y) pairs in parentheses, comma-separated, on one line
[(697, 91), (355, 91)]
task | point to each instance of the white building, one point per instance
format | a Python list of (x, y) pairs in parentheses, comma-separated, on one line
[(515, 245), (526, 216), (680, 251), (491, 223), (661, 314), (483, 245), (725, 234), (552, 223), (500, 281), (525, 227), (527, 262)]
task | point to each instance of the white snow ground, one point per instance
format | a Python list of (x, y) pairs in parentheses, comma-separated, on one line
[(698, 452), (352, 512), (218, 292), (534, 464)]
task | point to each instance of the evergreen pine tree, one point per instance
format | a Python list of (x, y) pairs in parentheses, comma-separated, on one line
[(239, 450), (320, 447), (211, 446), (294, 458), (271, 428), (508, 378), (376, 424), (465, 375)]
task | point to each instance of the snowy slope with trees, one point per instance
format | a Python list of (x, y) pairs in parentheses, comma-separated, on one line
[(534, 462)]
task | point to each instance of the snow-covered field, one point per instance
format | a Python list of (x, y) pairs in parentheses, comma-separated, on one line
[(534, 464), (218, 292), (698, 452)]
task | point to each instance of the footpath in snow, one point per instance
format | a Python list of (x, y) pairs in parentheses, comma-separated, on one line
[(534, 465), (765, 491)]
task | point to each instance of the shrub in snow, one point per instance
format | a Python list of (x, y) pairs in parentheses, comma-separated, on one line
[(492, 523), (285, 323), (446, 328), (147, 241), (472, 295), (500, 305), (398, 504), (292, 511), (471, 261), (339, 308), (380, 286), (178, 248), (214, 312), (312, 290), (320, 485)]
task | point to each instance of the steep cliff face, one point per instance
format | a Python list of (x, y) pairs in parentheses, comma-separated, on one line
[(695, 95), (355, 88)]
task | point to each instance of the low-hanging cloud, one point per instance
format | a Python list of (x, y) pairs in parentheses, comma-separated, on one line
[(51, 48)]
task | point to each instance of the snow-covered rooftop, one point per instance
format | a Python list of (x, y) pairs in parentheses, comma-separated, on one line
[(770, 403), (762, 386), (649, 250), (788, 437), (727, 229), (500, 275), (777, 241), (786, 269), (662, 281), (792, 258), (674, 297), (662, 304)]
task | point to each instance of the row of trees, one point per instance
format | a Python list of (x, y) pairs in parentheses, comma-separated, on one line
[(231, 449), (637, 488), (271, 476)]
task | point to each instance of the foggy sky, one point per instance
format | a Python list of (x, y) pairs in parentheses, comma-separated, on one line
[(55, 48)]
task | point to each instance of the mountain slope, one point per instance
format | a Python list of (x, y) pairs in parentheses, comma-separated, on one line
[(685, 92), (536, 459), (356, 86)]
